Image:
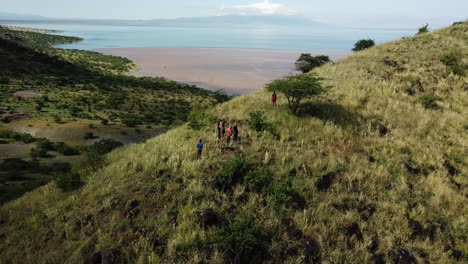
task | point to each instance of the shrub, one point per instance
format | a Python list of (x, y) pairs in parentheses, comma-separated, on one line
[(363, 44), (454, 63), (243, 240), (424, 29), (297, 88), (44, 144), (257, 180), (14, 164), (198, 118), (89, 135), (104, 122), (105, 146), (233, 171), (64, 149), (68, 181), (91, 161), (4, 119), (131, 121), (57, 119), (307, 62), (258, 121), (38, 153), (429, 101)]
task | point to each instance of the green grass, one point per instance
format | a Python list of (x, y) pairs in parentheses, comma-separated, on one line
[(364, 174)]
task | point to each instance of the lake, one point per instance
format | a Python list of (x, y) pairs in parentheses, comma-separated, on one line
[(255, 37)]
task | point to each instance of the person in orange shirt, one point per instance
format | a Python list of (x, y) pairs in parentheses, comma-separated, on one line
[(229, 134)]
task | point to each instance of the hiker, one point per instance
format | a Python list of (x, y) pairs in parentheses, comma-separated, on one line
[(229, 134), (235, 131), (223, 129), (273, 98), (219, 128), (200, 149)]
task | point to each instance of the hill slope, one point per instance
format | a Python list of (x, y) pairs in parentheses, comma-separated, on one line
[(374, 172)]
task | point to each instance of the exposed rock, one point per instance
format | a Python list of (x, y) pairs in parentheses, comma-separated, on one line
[(208, 218)]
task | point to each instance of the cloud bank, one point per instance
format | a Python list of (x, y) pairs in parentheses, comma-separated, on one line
[(262, 8)]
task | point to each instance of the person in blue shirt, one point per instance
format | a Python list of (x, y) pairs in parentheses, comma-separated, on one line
[(200, 148)]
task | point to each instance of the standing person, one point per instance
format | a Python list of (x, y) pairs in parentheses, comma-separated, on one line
[(273, 98), (200, 149), (235, 131), (219, 128), (223, 129), (229, 134)]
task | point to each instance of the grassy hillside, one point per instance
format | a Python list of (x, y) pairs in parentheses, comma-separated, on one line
[(373, 172), (76, 97)]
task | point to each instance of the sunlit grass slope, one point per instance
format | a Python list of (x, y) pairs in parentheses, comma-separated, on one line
[(373, 172)]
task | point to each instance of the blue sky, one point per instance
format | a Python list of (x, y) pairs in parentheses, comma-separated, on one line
[(347, 12)]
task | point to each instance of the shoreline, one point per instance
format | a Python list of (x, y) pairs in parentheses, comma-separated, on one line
[(232, 70)]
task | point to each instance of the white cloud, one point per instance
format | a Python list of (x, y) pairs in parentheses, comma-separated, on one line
[(262, 8)]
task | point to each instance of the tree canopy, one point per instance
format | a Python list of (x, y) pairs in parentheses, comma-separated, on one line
[(307, 62), (297, 88), (363, 44)]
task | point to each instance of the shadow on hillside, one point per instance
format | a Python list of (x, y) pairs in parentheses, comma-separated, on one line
[(330, 112)]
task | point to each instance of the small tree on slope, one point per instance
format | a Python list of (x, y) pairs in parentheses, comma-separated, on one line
[(363, 44), (297, 88)]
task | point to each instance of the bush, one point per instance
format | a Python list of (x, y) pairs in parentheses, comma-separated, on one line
[(105, 146), (424, 29), (44, 144), (89, 135), (258, 121), (131, 121), (57, 119), (91, 161), (454, 63), (14, 164), (257, 180), (429, 101), (198, 118), (363, 44), (307, 62), (233, 171), (68, 181), (64, 149), (243, 240), (38, 153)]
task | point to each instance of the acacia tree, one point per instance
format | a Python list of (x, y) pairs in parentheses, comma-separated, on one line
[(297, 88), (307, 62), (363, 44)]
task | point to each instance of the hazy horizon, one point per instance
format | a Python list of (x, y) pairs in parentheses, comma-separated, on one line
[(363, 13)]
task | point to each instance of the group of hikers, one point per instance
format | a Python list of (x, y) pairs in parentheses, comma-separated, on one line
[(227, 132)]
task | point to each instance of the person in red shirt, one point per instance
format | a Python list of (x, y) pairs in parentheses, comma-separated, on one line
[(273, 98)]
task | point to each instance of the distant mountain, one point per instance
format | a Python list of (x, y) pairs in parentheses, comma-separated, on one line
[(196, 21), (237, 20), (12, 16)]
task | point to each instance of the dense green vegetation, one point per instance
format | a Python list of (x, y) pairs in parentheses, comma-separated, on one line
[(75, 84), (41, 83), (367, 173)]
